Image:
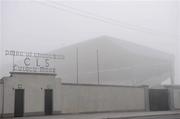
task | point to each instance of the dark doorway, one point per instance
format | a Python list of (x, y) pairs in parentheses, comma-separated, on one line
[(19, 103), (159, 99), (48, 101)]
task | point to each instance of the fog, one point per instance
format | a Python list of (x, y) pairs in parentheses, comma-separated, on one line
[(46, 25)]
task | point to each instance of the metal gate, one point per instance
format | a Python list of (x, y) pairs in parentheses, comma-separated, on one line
[(48, 101), (19, 103), (159, 99)]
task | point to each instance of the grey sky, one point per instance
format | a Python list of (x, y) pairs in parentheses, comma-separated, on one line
[(45, 25), (40, 26)]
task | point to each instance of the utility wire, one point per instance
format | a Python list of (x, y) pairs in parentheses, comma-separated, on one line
[(66, 10), (99, 16), (111, 21)]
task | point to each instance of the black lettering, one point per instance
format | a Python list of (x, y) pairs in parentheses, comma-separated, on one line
[(12, 52), (27, 61), (47, 62), (37, 63), (7, 52)]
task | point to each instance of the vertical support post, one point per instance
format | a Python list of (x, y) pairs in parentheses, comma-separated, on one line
[(97, 52), (146, 98), (13, 63), (77, 66), (2, 113), (172, 71)]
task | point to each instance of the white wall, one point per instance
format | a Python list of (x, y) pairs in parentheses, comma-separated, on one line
[(92, 98), (33, 86)]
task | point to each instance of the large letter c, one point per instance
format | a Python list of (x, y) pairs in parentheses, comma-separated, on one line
[(27, 61)]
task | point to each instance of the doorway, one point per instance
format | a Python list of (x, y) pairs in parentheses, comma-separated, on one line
[(48, 101), (19, 103)]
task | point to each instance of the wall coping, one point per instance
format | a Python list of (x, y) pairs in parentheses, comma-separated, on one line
[(30, 73), (105, 85), (172, 86)]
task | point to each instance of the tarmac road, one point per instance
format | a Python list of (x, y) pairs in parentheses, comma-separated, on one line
[(120, 115), (153, 117), (94, 117)]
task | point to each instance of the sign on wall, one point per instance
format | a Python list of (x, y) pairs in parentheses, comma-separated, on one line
[(33, 62)]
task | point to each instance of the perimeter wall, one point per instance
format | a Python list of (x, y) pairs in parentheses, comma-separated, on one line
[(101, 98)]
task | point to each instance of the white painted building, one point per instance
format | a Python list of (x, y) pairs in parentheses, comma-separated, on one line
[(23, 94), (32, 94)]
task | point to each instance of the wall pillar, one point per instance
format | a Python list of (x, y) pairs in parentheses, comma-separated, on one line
[(146, 98), (171, 97)]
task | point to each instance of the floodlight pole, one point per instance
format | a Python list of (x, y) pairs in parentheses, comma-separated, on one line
[(97, 52), (77, 66)]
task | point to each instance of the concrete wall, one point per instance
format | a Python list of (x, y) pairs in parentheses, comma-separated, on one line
[(33, 85), (176, 92), (94, 98)]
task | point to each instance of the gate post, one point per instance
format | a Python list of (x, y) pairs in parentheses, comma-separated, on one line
[(171, 97), (146, 97)]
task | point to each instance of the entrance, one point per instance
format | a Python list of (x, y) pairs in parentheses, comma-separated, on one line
[(19, 103), (48, 101), (159, 99)]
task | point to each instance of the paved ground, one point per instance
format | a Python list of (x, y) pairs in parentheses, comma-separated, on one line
[(155, 117), (125, 115)]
